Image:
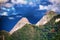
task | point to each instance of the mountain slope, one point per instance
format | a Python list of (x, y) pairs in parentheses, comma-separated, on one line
[(49, 15), (49, 31), (19, 25), (44, 20), (4, 35)]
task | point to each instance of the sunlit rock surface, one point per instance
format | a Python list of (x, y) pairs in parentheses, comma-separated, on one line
[(46, 18), (20, 24)]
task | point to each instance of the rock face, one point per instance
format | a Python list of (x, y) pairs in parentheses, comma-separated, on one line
[(19, 25), (43, 21), (46, 18)]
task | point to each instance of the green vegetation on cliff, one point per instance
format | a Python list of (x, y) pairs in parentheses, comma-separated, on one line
[(5, 35)]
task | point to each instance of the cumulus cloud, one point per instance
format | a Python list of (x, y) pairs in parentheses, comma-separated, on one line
[(19, 1), (55, 1), (54, 8), (4, 14), (56, 5), (41, 7), (31, 3), (8, 5)]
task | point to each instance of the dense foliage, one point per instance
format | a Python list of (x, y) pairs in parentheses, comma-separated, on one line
[(5, 35)]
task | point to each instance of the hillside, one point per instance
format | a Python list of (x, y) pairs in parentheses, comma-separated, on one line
[(19, 25), (45, 19), (4, 35), (49, 31)]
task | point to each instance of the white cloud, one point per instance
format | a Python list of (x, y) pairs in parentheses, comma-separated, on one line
[(8, 5), (3, 8), (11, 17), (55, 1), (13, 8), (19, 1), (41, 7), (31, 3), (46, 7), (56, 5), (54, 9), (18, 16), (49, 7), (8, 9), (4, 14)]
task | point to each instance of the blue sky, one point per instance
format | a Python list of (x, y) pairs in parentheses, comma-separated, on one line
[(33, 10)]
